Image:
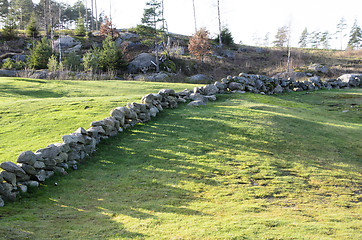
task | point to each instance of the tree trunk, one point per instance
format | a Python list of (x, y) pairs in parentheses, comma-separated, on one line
[(218, 10), (193, 4), (46, 18), (92, 15), (95, 3)]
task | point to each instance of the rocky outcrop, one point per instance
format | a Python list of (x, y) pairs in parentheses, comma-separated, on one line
[(33, 168), (143, 63)]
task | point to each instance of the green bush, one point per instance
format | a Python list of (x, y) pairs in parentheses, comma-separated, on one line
[(91, 59), (40, 54), (13, 65), (52, 63), (72, 62)]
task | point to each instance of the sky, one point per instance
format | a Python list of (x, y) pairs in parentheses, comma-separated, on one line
[(247, 20)]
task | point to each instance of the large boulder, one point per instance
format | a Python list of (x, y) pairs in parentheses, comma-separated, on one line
[(199, 78), (65, 42), (144, 62), (353, 80)]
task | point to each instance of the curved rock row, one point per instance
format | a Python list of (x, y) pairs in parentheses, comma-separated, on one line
[(32, 169)]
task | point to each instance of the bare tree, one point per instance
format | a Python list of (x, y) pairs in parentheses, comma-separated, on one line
[(220, 28), (92, 18), (193, 4)]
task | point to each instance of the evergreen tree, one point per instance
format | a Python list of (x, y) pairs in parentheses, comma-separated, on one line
[(40, 54), (315, 39), (304, 39), (111, 56), (341, 26), (281, 38), (226, 37), (4, 8), (325, 38), (355, 37), (151, 16), (80, 29), (10, 28), (32, 30)]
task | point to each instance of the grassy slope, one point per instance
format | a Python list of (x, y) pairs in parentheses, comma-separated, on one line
[(35, 113), (246, 167)]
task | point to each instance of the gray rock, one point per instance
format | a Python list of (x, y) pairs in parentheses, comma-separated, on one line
[(278, 89), (7, 73), (353, 80), (167, 92), (6, 191), (9, 177), (23, 188), (39, 165), (65, 42), (40, 75), (318, 68), (210, 90), (50, 151), (2, 204), (196, 103), (220, 86), (32, 184), (144, 62), (199, 78), (236, 86), (27, 157), (211, 98), (28, 169), (41, 176), (49, 174), (60, 170), (13, 168), (81, 131)]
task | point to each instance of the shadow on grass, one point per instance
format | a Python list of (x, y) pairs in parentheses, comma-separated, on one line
[(154, 172)]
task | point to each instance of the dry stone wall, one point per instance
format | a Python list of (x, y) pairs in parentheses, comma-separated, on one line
[(33, 168)]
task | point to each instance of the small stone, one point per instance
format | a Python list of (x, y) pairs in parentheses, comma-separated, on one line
[(41, 176), (196, 103), (2, 204), (34, 184), (23, 188), (39, 165), (9, 177)]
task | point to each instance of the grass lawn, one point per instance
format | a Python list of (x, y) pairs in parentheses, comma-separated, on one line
[(35, 113), (248, 166)]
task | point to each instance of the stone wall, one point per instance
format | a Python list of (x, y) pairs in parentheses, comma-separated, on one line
[(33, 168)]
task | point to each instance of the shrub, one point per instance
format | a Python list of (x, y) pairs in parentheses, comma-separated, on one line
[(52, 63), (13, 65), (106, 29), (72, 62), (199, 44), (40, 54), (90, 60)]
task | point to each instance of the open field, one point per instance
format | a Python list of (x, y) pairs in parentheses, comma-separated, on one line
[(248, 166), (35, 113)]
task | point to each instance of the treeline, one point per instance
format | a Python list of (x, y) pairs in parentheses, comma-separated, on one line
[(49, 14), (316, 38)]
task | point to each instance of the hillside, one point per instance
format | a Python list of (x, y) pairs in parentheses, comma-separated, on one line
[(227, 61), (286, 166)]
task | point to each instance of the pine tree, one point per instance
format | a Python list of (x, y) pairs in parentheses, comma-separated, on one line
[(226, 37), (325, 37), (80, 29), (304, 39), (32, 30), (281, 38), (355, 37), (10, 28), (341, 26), (151, 16), (4, 8)]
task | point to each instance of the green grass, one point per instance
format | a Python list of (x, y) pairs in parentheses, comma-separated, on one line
[(35, 113), (245, 167)]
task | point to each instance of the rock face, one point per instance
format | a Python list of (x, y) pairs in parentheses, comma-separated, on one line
[(142, 63), (66, 42)]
